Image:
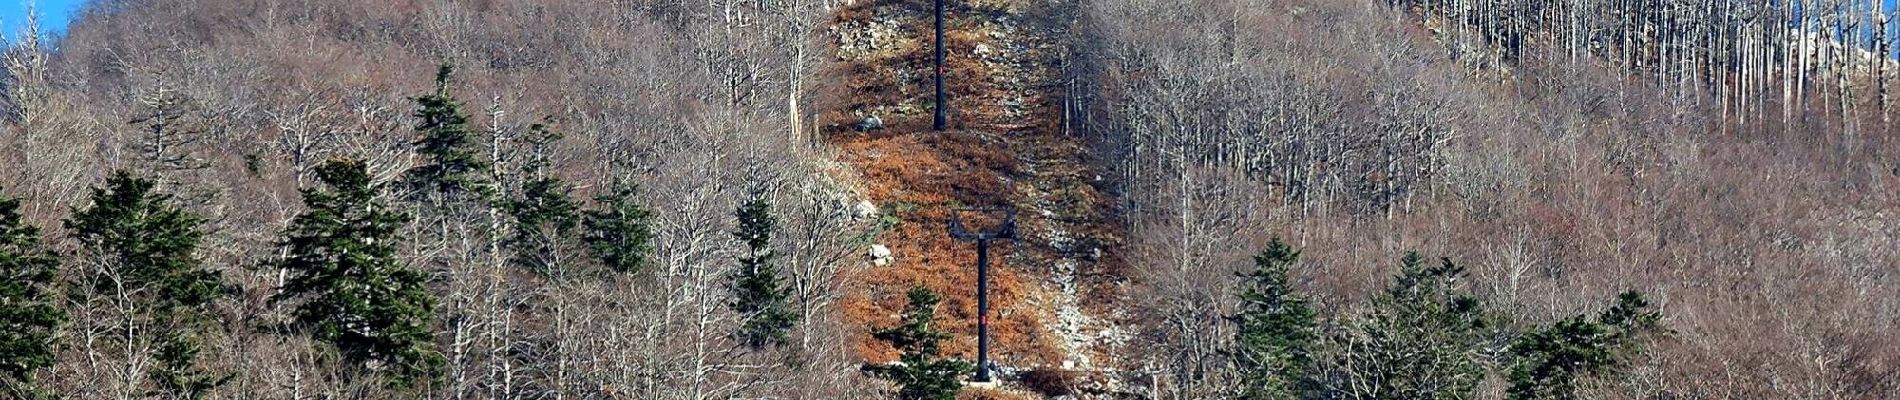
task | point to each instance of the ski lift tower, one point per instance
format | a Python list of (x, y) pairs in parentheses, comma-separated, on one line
[(1005, 228), (938, 121)]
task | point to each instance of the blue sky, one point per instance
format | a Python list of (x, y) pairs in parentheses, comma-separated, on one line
[(54, 14)]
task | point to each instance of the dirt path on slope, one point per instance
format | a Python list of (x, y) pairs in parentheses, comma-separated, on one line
[(1056, 294)]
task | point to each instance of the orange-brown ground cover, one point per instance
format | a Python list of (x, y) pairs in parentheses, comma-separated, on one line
[(986, 159)]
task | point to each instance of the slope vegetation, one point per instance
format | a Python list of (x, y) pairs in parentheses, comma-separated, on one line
[(1058, 288)]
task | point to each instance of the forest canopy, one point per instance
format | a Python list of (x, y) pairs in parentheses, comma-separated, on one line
[(745, 199)]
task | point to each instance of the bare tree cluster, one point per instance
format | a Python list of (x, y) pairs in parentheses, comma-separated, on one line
[(1201, 89), (1560, 151), (691, 101), (1824, 61)]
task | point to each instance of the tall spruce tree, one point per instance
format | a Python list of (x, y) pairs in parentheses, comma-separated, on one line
[(1551, 361), (544, 211), (28, 317), (620, 232), (920, 373), (1276, 330), (1422, 339), (149, 247), (351, 290), (759, 294), (452, 168)]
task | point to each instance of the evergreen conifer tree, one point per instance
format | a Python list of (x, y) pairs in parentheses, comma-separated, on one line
[(352, 292), (620, 233), (758, 292), (150, 245), (1421, 341), (177, 375), (1551, 361), (28, 317), (920, 373), (452, 168), (544, 211), (1276, 328)]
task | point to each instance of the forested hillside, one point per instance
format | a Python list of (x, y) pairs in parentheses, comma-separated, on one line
[(655, 199), (1560, 151)]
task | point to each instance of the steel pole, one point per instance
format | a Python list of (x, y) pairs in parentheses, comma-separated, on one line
[(938, 122), (982, 311)]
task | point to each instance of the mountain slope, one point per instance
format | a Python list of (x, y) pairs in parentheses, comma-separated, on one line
[(1060, 283), (1561, 151)]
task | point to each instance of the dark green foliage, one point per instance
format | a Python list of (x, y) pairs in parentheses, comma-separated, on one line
[(544, 211), (620, 233), (1630, 316), (151, 246), (28, 318), (1550, 361), (758, 291), (452, 168), (546, 201), (1276, 330), (352, 291), (1421, 341), (176, 375), (139, 233), (920, 373), (543, 214), (254, 165)]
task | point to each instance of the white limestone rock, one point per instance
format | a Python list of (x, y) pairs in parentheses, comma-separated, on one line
[(880, 255), (864, 210)]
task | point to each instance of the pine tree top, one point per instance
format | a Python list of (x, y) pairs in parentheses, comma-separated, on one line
[(26, 303), (352, 290), (914, 333), (546, 200), (922, 374), (1277, 329), (755, 222), (1549, 362), (620, 234), (453, 166), (139, 232), (758, 291), (19, 242)]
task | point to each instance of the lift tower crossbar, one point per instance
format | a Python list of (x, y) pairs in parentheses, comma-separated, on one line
[(1006, 229)]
